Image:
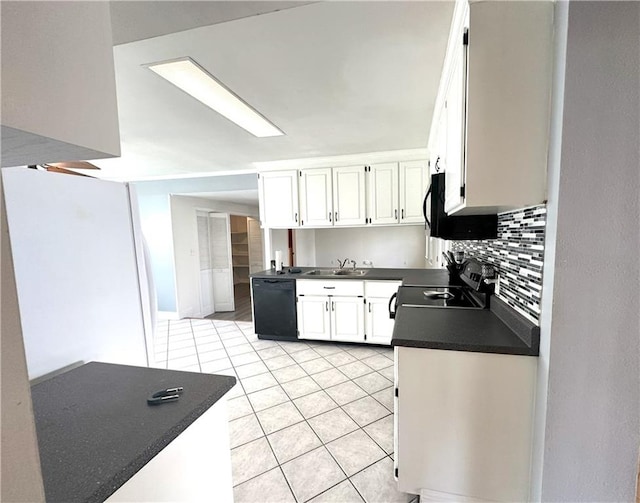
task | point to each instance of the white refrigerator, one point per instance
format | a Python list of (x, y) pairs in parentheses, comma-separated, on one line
[(84, 288)]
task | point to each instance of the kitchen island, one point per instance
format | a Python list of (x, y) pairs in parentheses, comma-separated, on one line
[(98, 438)]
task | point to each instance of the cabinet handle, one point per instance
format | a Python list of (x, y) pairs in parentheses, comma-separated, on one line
[(336, 216), (326, 307), (402, 214), (333, 306), (329, 287), (437, 165), (395, 212), (330, 217), (296, 217), (369, 306)]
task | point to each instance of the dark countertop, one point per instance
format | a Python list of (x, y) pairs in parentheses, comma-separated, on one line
[(431, 277), (496, 330), (95, 429)]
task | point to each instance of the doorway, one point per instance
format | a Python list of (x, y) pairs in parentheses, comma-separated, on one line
[(215, 263), (245, 237)]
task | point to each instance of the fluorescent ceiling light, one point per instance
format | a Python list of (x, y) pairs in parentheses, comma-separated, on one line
[(194, 80)]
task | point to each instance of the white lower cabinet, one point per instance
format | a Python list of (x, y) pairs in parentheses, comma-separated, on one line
[(347, 319), (378, 325), (345, 310), (463, 424), (314, 318), (330, 310)]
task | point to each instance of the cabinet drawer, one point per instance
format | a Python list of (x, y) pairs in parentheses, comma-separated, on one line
[(382, 289), (345, 287)]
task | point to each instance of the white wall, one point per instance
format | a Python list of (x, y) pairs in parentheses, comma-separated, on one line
[(185, 246), (396, 246), (592, 430)]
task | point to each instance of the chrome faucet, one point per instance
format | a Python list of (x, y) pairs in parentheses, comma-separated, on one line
[(342, 263), (354, 264)]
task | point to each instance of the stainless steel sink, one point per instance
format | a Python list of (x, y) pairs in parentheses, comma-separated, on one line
[(337, 272)]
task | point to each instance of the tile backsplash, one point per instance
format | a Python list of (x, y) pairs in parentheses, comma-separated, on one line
[(518, 255)]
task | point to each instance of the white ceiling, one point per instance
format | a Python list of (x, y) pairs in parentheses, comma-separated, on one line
[(337, 77)]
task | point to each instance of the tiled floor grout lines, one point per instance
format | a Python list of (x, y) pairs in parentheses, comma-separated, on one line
[(216, 334)]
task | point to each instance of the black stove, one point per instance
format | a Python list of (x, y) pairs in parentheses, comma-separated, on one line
[(471, 292)]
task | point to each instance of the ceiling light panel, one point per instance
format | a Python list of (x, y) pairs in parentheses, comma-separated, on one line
[(195, 81)]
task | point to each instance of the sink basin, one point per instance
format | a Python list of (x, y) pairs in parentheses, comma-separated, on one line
[(350, 272), (337, 272)]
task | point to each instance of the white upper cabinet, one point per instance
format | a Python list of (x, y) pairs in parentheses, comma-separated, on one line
[(414, 181), (58, 91), (316, 197), (491, 126), (279, 199), (349, 196), (383, 193)]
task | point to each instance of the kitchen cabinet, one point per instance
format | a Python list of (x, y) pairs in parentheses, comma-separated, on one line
[(414, 181), (389, 193), (463, 424), (349, 196), (383, 193), (58, 93), (378, 324), (316, 197), (396, 192), (490, 128), (279, 198), (332, 197), (331, 310)]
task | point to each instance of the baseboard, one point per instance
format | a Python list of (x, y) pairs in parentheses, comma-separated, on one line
[(442, 497)]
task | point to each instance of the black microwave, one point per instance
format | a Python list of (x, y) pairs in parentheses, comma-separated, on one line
[(441, 225)]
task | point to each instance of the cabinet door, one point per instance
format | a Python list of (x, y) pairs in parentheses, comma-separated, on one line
[(314, 317), (413, 187), (279, 199), (383, 193), (316, 206), (455, 110), (349, 197), (347, 319), (378, 326)]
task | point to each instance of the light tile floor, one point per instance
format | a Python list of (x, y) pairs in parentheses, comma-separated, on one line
[(308, 421)]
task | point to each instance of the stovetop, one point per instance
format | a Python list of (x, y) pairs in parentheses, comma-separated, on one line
[(444, 297)]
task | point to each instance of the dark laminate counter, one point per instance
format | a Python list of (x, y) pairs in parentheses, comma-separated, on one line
[(496, 330), (95, 429), (431, 277)]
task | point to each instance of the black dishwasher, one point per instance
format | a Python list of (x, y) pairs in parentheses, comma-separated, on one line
[(274, 308)]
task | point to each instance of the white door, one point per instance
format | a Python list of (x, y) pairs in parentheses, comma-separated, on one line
[(413, 187), (378, 326), (204, 262), (219, 234), (383, 193), (347, 319), (316, 207), (314, 317), (349, 196)]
